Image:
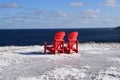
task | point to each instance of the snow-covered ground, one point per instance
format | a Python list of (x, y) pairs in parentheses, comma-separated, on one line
[(95, 61)]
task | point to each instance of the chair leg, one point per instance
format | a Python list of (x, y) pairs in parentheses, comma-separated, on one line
[(62, 47), (69, 48), (69, 51), (76, 46), (76, 50), (45, 47)]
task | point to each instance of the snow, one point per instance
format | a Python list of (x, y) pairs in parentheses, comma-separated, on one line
[(30, 78), (95, 61), (64, 73), (111, 73), (115, 59)]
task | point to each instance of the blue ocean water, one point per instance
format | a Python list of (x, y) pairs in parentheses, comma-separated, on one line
[(24, 37)]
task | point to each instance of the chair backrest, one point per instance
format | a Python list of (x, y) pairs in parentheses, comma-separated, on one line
[(72, 36), (59, 36)]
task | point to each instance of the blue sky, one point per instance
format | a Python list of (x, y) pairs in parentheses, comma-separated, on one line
[(27, 14)]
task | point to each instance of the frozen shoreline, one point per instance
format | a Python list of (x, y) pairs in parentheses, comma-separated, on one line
[(95, 61)]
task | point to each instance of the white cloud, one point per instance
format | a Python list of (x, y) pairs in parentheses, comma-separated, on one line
[(76, 4), (106, 21), (40, 12), (60, 14), (90, 13), (9, 5), (111, 3), (47, 13), (53, 18)]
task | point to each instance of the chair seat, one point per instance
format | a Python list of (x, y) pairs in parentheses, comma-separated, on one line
[(50, 48)]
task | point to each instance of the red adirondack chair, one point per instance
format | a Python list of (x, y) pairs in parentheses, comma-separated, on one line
[(72, 44), (58, 43)]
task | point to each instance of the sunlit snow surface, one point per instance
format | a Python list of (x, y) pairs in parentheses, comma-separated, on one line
[(95, 61)]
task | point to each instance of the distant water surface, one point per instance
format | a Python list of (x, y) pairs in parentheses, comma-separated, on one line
[(24, 37)]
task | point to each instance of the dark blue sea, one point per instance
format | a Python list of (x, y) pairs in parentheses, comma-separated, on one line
[(25, 37)]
